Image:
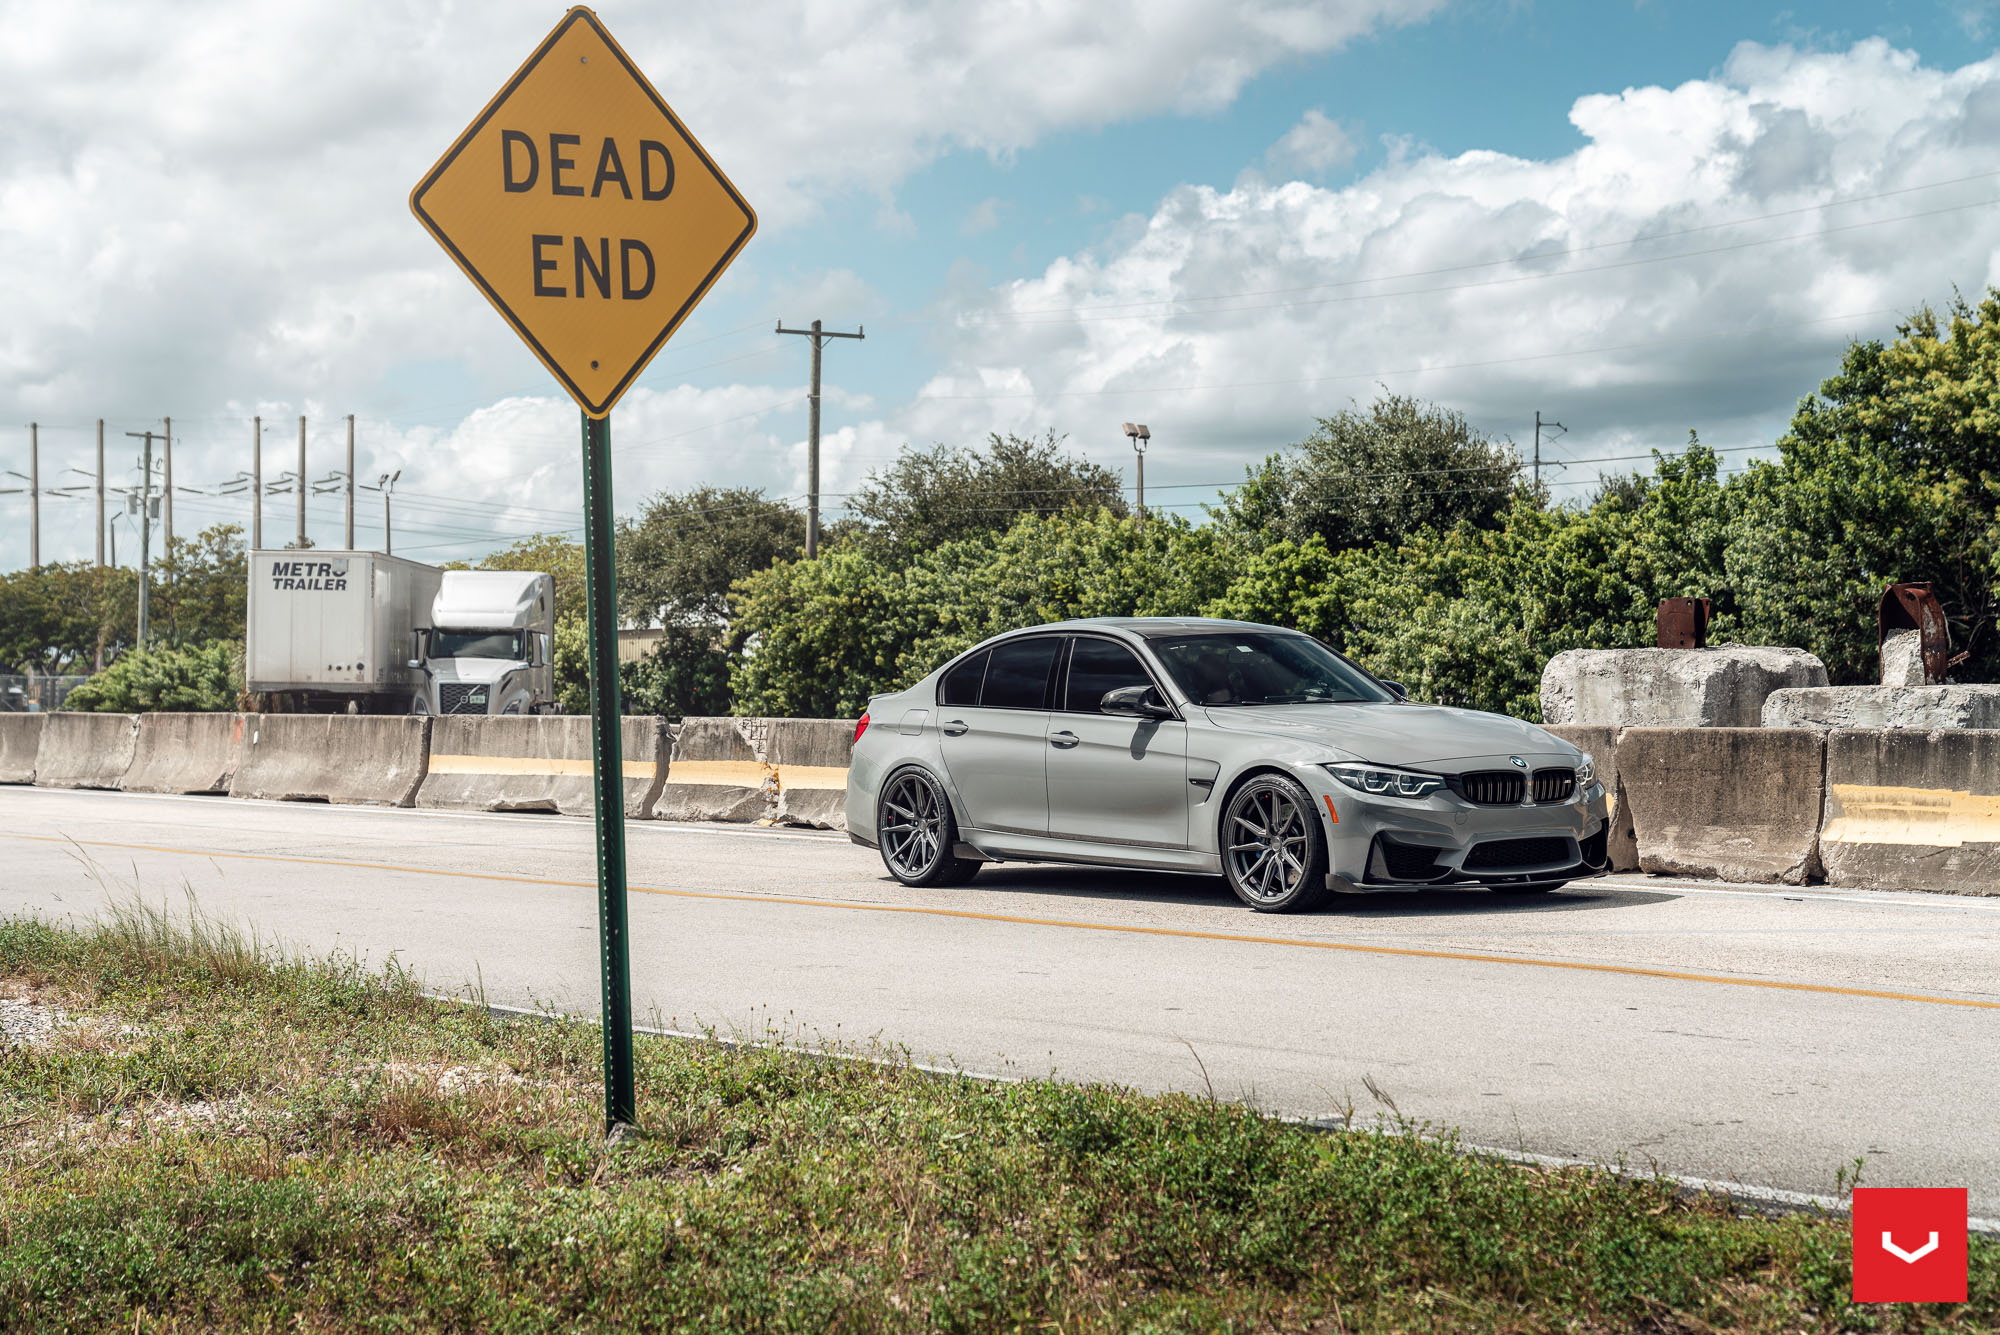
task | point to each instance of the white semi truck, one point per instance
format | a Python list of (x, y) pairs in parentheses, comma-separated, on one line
[(368, 633)]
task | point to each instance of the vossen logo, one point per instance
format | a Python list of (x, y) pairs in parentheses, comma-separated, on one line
[(309, 576)]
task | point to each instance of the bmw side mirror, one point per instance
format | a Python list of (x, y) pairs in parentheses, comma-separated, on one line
[(1135, 702), (1395, 688)]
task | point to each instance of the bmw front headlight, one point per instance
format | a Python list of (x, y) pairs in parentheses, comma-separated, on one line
[(1586, 771), (1380, 781)]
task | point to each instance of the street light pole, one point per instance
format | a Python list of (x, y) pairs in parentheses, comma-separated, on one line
[(1140, 436)]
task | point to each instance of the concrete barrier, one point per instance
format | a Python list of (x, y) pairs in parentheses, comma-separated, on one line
[(1738, 804), (515, 763), (185, 753), (368, 760), (1921, 707), (1721, 687), (20, 737), (85, 750), (770, 770), (1908, 810), (811, 756), (1601, 743)]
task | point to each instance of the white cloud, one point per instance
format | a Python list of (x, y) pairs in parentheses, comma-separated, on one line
[(1314, 146), (206, 205), (1504, 285)]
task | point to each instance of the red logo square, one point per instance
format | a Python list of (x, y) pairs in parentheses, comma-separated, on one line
[(1909, 1244)]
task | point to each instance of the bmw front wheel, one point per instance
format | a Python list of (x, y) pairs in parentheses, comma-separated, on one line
[(1273, 850), (916, 831)]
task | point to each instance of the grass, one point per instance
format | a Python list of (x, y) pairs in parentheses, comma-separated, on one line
[(240, 1140)]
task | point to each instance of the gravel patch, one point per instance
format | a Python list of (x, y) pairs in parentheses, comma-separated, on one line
[(27, 1024)]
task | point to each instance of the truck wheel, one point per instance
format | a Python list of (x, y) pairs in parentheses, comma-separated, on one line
[(420, 707)]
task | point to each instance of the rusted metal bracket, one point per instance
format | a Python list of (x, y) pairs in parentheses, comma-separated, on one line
[(1914, 607), (1683, 623)]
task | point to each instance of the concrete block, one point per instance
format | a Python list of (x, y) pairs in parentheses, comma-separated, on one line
[(20, 738), (1924, 708), (1902, 658), (1909, 810), (810, 756), (185, 753), (1736, 804), (365, 760), (528, 763), (774, 770), (1720, 687), (1601, 743), (85, 750), (718, 773)]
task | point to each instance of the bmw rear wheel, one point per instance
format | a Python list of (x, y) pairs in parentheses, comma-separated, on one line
[(1273, 850), (916, 832)]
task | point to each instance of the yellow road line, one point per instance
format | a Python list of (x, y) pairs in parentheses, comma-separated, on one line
[(1346, 947)]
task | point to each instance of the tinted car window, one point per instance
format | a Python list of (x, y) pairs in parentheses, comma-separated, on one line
[(1256, 668), (1018, 676), (961, 684), (1097, 666)]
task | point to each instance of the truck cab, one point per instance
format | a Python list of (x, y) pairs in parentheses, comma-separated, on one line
[(490, 646)]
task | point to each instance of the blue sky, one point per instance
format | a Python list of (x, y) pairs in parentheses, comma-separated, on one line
[(979, 185)]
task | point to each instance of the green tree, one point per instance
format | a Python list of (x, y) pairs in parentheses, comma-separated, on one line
[(678, 559), (61, 618), (685, 673), (1890, 472), (168, 678), (824, 635), (1378, 475), (948, 493), (201, 588)]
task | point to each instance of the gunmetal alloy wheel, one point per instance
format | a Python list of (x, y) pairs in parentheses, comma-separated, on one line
[(916, 831), (1273, 850)]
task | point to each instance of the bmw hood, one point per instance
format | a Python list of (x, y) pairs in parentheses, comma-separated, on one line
[(1395, 734)]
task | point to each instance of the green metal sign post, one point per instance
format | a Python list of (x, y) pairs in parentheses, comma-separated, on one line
[(506, 222), (607, 764)]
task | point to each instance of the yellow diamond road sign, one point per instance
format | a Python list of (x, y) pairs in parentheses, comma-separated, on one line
[(585, 211)]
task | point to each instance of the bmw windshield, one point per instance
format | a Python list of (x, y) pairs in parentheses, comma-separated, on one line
[(1257, 668)]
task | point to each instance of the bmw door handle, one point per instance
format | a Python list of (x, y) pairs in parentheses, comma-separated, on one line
[(1063, 741), (955, 728)]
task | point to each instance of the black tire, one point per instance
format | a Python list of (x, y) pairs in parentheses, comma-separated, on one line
[(915, 832), (1273, 849)]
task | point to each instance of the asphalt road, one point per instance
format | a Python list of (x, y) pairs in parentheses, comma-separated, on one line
[(1766, 1037)]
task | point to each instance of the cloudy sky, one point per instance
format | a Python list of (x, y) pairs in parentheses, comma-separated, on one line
[(1221, 219)]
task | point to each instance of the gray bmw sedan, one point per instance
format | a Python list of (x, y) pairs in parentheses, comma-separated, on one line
[(1213, 748)]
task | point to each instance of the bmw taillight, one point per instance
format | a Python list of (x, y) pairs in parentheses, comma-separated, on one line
[(861, 727)]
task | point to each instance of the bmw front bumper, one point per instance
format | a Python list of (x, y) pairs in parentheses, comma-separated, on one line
[(1378, 843)]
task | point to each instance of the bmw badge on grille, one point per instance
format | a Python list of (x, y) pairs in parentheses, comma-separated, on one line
[(1518, 761)]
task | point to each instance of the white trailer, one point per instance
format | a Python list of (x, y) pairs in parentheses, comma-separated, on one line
[(336, 630)]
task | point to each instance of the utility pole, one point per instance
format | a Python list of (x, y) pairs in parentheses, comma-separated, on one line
[(348, 540), (1539, 424), (301, 542), (256, 484), (34, 495), (167, 494), (100, 508), (145, 530), (819, 337)]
